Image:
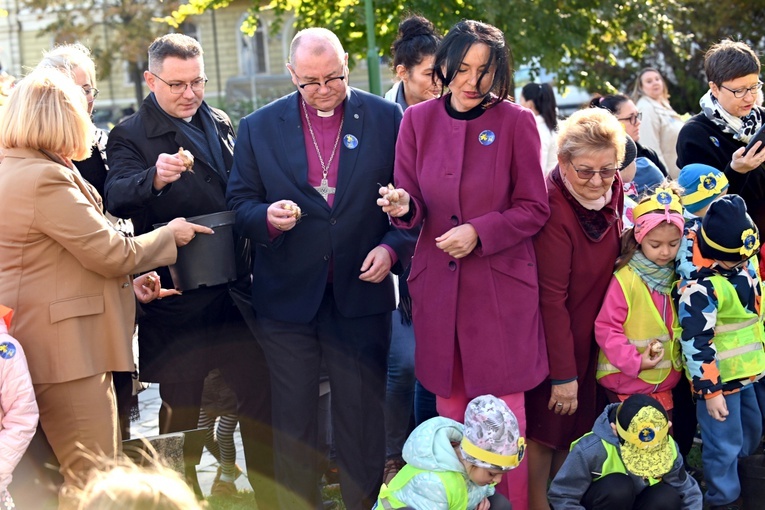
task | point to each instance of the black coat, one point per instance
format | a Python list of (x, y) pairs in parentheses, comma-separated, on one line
[(650, 154), (178, 335), (701, 141), (132, 151)]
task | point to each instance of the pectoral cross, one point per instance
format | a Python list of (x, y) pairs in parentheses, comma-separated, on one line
[(324, 189)]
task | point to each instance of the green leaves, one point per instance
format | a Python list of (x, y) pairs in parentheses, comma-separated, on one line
[(596, 44), (117, 30)]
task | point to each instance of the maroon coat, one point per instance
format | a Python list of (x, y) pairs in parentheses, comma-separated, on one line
[(488, 302), (574, 273)]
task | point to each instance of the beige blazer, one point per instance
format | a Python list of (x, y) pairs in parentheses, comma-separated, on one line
[(64, 270)]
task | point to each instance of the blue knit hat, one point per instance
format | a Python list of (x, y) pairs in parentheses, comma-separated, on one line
[(702, 184)]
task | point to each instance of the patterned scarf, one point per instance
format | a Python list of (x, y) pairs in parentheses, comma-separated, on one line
[(658, 278), (742, 128)]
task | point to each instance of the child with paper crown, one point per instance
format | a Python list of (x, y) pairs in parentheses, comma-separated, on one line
[(627, 462), (702, 185), (451, 466), (18, 407), (719, 310), (638, 352)]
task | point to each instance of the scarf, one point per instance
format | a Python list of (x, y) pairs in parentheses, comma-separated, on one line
[(657, 278), (592, 205), (741, 128), (206, 142), (594, 223)]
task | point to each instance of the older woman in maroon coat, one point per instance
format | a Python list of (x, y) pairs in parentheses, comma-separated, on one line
[(468, 170), (576, 251)]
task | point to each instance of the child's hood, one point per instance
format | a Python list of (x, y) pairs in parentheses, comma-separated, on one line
[(429, 446), (602, 427)]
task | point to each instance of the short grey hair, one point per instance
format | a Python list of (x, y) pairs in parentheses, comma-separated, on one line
[(321, 38), (172, 45), (68, 57)]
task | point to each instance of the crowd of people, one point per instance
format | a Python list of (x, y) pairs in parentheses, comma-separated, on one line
[(551, 307)]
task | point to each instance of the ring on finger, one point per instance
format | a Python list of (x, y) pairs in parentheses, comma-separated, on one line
[(559, 404)]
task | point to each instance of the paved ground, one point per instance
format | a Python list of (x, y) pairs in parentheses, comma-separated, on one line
[(148, 425)]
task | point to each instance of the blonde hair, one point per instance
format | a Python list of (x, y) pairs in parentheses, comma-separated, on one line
[(591, 130), (637, 88), (126, 486), (47, 111), (68, 57)]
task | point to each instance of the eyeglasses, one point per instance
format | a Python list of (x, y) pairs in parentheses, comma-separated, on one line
[(180, 88), (314, 86), (91, 93), (632, 119), (739, 93), (588, 173)]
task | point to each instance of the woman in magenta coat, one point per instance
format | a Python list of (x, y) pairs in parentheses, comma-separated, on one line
[(576, 251), (467, 169)]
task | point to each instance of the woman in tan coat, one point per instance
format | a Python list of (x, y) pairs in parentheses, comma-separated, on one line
[(64, 269)]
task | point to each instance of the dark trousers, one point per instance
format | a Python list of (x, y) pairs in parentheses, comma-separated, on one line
[(683, 417), (617, 492), (499, 502), (354, 351), (243, 367), (36, 480)]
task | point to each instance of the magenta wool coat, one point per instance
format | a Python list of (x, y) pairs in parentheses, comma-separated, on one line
[(483, 307)]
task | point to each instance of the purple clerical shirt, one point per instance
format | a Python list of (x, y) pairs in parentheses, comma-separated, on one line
[(326, 130)]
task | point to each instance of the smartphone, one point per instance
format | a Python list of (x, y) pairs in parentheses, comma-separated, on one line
[(759, 136)]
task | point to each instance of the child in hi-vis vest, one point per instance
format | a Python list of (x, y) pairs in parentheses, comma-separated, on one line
[(719, 311), (451, 466), (627, 462), (638, 353)]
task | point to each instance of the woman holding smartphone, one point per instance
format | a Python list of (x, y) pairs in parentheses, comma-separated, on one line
[(730, 117)]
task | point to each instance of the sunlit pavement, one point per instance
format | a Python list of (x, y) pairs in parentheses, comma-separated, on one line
[(148, 425)]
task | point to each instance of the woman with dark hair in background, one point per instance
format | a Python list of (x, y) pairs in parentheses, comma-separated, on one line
[(468, 171), (650, 170), (540, 99), (413, 53)]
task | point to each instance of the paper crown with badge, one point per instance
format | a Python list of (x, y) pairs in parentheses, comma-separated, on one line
[(664, 200), (646, 449), (727, 231)]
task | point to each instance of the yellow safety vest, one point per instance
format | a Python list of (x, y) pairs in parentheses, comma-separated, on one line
[(614, 462), (454, 482), (643, 325), (739, 337)]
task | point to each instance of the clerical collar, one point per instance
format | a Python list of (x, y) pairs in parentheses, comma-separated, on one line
[(471, 114), (323, 114)]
